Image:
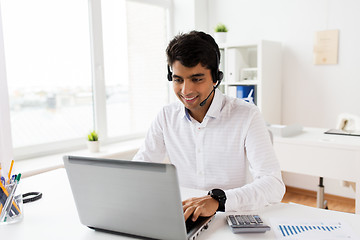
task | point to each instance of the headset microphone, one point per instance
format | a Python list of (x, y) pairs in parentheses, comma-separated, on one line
[(204, 102)]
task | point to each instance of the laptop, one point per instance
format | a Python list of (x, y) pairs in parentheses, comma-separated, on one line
[(130, 198)]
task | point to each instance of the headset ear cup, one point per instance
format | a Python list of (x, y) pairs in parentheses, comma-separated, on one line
[(220, 75), (169, 75)]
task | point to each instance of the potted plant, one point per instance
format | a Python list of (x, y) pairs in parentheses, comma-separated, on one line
[(220, 33), (93, 142)]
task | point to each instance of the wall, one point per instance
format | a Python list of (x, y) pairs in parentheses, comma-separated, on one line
[(190, 15), (312, 95)]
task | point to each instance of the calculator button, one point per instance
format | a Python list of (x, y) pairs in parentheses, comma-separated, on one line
[(246, 219), (252, 220), (258, 219), (232, 219), (240, 220)]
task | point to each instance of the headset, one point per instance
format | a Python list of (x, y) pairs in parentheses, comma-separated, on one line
[(216, 75)]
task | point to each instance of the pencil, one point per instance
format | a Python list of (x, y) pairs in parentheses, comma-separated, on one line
[(11, 166)]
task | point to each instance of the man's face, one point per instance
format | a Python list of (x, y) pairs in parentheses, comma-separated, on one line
[(192, 86)]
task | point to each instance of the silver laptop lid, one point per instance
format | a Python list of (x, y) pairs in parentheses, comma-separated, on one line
[(136, 198)]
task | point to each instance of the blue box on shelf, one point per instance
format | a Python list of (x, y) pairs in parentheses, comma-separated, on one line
[(244, 91)]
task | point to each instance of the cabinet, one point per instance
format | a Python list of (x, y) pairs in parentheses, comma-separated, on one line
[(254, 66)]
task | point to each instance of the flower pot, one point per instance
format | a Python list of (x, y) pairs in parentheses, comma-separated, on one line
[(93, 146), (220, 37)]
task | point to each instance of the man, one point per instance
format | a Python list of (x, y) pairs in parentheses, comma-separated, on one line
[(209, 137)]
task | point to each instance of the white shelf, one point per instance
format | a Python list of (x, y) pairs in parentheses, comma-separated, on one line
[(244, 82), (236, 45), (261, 62)]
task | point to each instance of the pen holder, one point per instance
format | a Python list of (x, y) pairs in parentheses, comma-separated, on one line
[(11, 204)]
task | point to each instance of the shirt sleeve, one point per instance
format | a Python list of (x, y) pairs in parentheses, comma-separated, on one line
[(153, 149), (267, 186)]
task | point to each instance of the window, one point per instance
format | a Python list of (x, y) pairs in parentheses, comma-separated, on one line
[(50, 70), (135, 39)]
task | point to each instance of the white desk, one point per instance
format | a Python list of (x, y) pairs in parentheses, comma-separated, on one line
[(324, 155), (55, 216)]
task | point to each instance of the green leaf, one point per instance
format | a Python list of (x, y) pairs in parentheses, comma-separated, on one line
[(221, 28), (93, 136)]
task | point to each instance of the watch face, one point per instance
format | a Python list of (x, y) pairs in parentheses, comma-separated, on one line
[(218, 193)]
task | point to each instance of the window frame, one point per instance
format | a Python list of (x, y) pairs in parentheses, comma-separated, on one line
[(98, 83)]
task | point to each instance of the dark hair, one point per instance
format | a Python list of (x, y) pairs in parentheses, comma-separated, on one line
[(193, 48)]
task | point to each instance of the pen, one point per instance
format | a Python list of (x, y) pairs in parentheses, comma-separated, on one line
[(2, 198), (13, 177), (18, 177), (11, 166), (3, 187)]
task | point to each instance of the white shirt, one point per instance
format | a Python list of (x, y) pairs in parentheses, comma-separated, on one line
[(214, 153)]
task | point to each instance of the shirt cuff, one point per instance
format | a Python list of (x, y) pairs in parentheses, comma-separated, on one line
[(231, 200)]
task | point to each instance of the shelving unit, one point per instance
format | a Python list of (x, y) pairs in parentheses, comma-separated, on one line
[(258, 67)]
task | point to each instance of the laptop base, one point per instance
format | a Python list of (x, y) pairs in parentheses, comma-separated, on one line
[(120, 233)]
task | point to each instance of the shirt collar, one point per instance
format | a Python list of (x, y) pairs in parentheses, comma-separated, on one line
[(214, 109), (186, 113), (216, 104)]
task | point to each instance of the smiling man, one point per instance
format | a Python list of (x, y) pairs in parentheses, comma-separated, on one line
[(192, 85), (210, 137)]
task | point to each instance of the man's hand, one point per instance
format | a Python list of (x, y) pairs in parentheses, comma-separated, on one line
[(199, 206)]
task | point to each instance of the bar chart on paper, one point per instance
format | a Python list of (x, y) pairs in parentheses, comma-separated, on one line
[(295, 229)]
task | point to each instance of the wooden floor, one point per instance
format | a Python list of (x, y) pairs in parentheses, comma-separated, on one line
[(308, 198)]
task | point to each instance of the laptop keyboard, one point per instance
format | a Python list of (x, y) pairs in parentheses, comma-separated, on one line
[(190, 224)]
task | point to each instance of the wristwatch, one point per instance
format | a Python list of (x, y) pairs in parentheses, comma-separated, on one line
[(220, 196)]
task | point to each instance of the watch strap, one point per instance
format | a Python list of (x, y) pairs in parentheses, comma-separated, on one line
[(220, 196)]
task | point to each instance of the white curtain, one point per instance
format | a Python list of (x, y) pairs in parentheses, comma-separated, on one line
[(6, 150)]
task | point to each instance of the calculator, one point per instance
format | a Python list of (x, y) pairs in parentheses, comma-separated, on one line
[(246, 224)]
